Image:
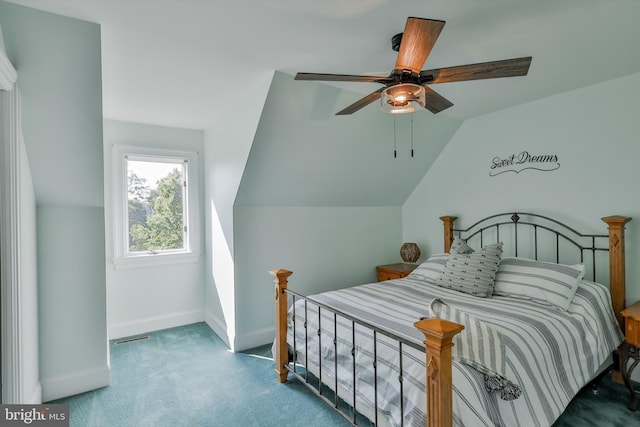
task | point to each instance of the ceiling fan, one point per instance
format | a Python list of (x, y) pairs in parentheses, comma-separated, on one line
[(407, 87)]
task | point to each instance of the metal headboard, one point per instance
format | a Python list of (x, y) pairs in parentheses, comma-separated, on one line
[(521, 232)]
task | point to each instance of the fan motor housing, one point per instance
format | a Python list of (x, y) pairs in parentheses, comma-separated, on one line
[(403, 76)]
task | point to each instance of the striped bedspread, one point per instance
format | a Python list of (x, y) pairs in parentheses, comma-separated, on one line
[(541, 358)]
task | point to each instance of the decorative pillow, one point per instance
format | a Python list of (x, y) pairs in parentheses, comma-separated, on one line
[(431, 269), (546, 283), (472, 273), (459, 246)]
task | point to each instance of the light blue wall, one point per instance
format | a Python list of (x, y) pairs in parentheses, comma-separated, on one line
[(59, 71), (142, 299), (593, 131), (327, 248), (71, 292)]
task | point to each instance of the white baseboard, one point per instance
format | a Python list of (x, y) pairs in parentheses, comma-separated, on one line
[(254, 339), (218, 326), (75, 383), (240, 342), (150, 324), (36, 395)]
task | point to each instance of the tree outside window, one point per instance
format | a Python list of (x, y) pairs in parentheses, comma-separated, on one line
[(156, 206)]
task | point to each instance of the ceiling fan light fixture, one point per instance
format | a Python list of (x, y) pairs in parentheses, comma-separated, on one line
[(402, 98)]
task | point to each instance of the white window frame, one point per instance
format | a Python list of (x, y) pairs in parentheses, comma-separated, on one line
[(122, 258)]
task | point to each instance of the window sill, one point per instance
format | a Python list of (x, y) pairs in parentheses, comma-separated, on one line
[(155, 260)]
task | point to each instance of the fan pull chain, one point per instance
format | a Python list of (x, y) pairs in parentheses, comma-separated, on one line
[(411, 135), (395, 151)]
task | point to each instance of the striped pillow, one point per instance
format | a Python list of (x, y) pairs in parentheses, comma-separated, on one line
[(546, 283), (472, 273), (431, 269)]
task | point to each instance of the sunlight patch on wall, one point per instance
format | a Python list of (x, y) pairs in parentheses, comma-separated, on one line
[(222, 268)]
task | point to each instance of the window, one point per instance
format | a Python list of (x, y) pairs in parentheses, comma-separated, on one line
[(156, 206)]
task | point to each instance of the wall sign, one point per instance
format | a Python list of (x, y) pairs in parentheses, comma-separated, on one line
[(523, 161)]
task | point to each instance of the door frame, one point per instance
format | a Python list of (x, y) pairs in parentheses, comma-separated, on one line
[(10, 325)]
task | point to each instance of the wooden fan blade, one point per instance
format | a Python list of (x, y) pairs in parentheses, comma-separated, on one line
[(484, 70), (362, 102), (435, 102), (341, 78), (417, 41)]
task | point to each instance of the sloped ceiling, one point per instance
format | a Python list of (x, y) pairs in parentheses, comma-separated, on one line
[(303, 155)]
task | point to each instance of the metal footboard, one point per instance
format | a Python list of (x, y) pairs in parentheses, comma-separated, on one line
[(336, 401), (438, 334)]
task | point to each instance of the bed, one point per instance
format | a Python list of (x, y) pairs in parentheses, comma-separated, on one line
[(460, 341)]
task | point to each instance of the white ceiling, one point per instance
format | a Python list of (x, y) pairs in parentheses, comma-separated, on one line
[(174, 62)]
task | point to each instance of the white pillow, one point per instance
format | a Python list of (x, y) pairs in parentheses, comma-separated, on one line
[(431, 269), (546, 283)]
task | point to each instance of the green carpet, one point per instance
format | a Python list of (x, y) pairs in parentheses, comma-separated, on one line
[(186, 377)]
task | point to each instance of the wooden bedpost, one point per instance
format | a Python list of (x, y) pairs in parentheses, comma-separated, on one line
[(439, 334), (282, 354), (617, 282), (448, 231)]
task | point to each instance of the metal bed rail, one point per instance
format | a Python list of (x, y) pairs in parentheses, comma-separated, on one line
[(336, 401)]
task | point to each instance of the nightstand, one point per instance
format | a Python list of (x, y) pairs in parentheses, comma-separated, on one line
[(394, 271), (631, 316)]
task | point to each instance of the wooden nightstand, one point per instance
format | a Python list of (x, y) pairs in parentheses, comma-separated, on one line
[(394, 271), (631, 346)]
